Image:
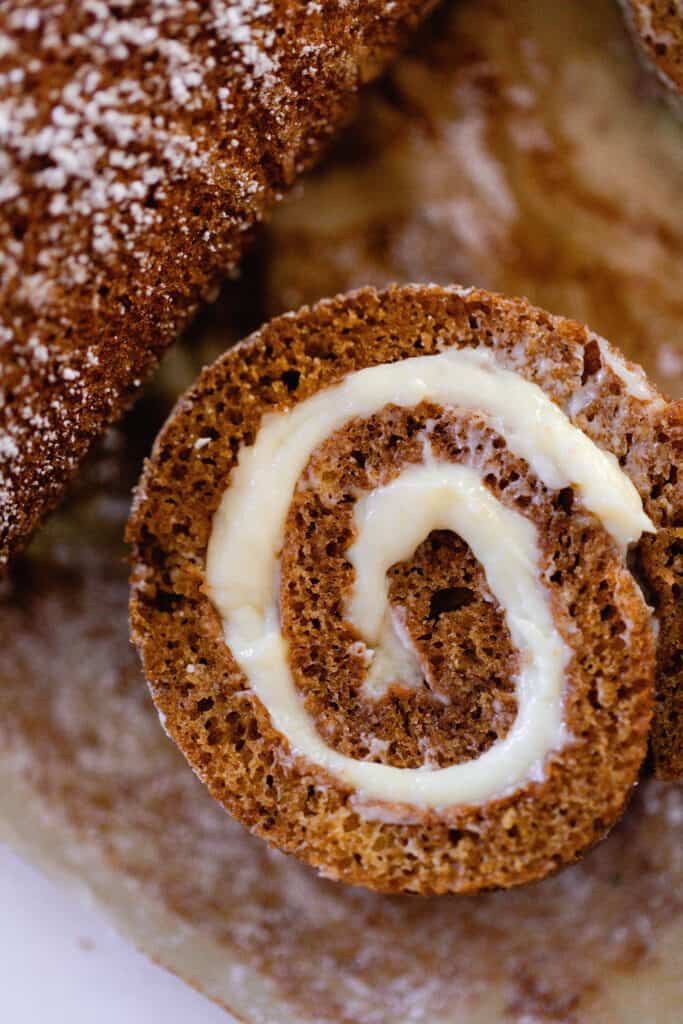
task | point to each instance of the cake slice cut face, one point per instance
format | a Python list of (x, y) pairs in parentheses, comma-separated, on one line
[(396, 585)]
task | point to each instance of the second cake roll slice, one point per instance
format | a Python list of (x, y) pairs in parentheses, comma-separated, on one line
[(381, 586)]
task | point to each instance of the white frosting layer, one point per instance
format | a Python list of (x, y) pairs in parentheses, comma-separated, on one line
[(391, 522), (247, 536)]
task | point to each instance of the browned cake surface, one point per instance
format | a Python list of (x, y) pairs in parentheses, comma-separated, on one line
[(139, 144), (225, 731), (516, 147), (658, 30), (80, 741)]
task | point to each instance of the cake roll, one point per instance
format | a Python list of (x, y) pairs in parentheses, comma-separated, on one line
[(384, 585), (139, 145), (657, 29)]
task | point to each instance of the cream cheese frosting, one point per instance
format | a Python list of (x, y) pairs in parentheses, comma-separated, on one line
[(392, 521), (248, 528)]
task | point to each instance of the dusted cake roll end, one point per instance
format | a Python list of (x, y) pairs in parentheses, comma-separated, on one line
[(384, 585)]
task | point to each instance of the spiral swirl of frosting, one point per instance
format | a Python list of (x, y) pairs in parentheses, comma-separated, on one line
[(247, 536)]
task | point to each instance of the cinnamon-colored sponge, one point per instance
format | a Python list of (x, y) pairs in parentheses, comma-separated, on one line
[(139, 144), (657, 28), (224, 730)]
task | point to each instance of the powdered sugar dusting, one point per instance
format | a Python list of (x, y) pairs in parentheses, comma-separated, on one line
[(108, 146)]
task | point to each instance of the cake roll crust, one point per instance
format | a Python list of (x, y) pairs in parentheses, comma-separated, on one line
[(657, 28), (140, 146), (205, 698)]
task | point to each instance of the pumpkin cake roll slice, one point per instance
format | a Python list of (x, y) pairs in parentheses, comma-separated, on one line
[(382, 585)]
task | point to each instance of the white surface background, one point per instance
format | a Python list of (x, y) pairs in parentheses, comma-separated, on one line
[(62, 963)]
